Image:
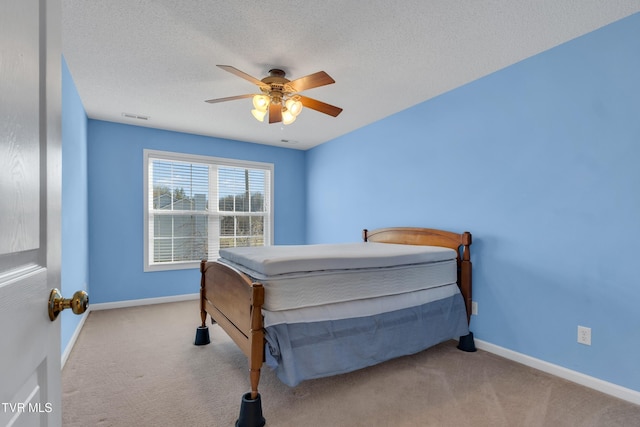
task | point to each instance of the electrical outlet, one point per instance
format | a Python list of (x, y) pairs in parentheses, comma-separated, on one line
[(584, 335), (474, 308)]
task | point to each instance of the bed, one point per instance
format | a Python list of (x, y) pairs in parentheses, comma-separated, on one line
[(311, 311)]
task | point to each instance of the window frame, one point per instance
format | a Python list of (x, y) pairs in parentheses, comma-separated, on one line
[(213, 163)]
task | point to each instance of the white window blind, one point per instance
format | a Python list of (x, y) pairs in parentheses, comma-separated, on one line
[(198, 204), (241, 195)]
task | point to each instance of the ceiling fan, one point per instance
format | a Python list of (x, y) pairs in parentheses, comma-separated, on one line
[(280, 96)]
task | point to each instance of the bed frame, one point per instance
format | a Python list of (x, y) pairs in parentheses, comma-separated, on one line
[(235, 302)]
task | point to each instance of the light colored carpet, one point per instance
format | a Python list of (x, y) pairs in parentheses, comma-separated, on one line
[(138, 367)]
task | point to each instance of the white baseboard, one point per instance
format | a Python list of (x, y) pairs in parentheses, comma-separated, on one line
[(72, 341), (594, 383), (139, 302)]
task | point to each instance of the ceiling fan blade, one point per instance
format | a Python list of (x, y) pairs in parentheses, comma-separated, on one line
[(312, 80), (275, 113), (320, 106), (230, 98), (242, 74)]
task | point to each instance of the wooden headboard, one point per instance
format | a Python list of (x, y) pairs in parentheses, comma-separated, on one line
[(418, 236)]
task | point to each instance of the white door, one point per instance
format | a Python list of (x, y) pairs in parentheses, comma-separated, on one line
[(30, 184)]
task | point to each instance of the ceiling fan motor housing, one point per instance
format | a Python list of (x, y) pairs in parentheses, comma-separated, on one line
[(276, 85)]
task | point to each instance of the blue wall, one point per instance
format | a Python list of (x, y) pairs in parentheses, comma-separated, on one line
[(75, 238), (116, 206), (540, 162)]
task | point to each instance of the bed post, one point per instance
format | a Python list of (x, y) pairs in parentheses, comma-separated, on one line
[(251, 406), (202, 333), (466, 342), (257, 337), (465, 273)]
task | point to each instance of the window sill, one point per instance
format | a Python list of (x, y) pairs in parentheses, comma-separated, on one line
[(172, 266)]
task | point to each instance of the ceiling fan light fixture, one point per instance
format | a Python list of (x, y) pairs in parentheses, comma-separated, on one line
[(261, 102), (259, 114), (294, 106), (287, 117)]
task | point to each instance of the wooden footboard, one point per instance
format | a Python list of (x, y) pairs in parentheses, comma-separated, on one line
[(235, 303)]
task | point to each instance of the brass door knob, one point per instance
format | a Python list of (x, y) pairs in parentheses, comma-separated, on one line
[(78, 303)]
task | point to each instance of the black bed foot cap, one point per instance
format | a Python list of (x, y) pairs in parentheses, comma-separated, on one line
[(250, 412), (467, 343), (202, 336)]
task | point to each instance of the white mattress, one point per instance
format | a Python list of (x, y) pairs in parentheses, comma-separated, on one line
[(269, 261), (359, 308), (313, 275)]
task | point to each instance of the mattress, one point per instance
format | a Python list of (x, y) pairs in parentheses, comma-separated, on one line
[(296, 276), (359, 308), (269, 261)]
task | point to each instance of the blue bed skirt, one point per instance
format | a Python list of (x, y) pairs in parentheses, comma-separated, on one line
[(302, 351)]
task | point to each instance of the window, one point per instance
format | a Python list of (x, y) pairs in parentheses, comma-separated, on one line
[(198, 204)]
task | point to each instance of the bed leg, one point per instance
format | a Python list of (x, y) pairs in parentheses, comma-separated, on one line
[(202, 333), (467, 343), (251, 411), (254, 379)]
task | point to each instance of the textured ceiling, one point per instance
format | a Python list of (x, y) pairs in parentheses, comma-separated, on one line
[(157, 58)]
